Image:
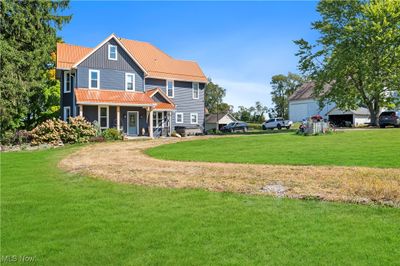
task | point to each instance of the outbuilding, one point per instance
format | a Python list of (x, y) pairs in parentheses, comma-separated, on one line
[(222, 119), (355, 118), (303, 104)]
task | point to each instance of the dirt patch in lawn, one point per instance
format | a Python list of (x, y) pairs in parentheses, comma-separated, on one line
[(126, 162)]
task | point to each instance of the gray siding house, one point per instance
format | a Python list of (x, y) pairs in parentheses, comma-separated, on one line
[(132, 86)]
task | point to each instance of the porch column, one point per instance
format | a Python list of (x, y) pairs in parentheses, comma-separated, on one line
[(81, 110), (118, 118), (151, 124)]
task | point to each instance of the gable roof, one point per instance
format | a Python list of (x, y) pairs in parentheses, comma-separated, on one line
[(152, 92), (306, 91), (212, 118), (68, 54), (154, 62)]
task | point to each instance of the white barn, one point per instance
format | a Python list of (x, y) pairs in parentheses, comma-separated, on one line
[(303, 104)]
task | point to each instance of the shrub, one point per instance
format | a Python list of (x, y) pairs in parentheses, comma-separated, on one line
[(22, 137), (53, 132), (255, 126), (97, 139), (112, 134), (7, 138), (83, 129)]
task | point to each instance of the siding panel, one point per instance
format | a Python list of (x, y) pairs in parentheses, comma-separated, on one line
[(112, 73), (183, 98)]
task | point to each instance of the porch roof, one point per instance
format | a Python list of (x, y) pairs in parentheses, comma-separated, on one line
[(117, 97)]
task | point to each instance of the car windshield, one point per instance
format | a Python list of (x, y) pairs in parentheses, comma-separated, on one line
[(231, 124), (387, 113)]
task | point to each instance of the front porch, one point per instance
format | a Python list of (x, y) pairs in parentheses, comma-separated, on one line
[(133, 113), (132, 121)]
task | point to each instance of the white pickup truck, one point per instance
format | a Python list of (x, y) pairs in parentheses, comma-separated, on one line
[(278, 123)]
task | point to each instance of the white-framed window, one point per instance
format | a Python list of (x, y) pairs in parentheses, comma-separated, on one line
[(103, 116), (94, 79), (67, 112), (158, 119), (194, 118), (129, 81), (112, 52), (179, 118), (196, 90), (67, 82), (170, 88)]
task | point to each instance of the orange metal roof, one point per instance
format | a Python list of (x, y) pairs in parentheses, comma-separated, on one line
[(112, 97), (68, 54), (156, 63), (116, 97), (164, 106)]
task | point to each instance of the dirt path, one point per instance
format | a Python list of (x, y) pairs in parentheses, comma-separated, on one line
[(126, 162)]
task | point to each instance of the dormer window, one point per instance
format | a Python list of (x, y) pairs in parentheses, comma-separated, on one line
[(170, 88), (112, 52)]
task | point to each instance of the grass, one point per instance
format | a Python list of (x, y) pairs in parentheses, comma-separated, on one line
[(68, 219), (373, 148)]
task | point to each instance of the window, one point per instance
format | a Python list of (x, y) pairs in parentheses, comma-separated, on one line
[(67, 82), (196, 90), (170, 88), (158, 119), (112, 52), (103, 116), (179, 118), (67, 112), (194, 118), (94, 79), (129, 82)]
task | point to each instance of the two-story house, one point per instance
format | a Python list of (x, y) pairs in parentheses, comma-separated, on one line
[(132, 86)]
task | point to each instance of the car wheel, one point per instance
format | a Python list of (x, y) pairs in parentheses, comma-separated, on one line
[(288, 127), (279, 126)]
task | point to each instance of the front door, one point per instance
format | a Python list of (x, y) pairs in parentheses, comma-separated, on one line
[(133, 123)]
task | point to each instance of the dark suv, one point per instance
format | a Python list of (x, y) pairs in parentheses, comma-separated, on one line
[(235, 126), (389, 118)]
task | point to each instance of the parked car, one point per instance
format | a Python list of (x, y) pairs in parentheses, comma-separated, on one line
[(389, 118), (278, 123), (235, 126)]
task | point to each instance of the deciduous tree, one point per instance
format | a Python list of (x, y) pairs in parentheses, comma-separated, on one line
[(282, 87), (357, 54)]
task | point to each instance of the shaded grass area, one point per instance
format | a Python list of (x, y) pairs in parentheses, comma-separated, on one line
[(373, 148), (65, 219)]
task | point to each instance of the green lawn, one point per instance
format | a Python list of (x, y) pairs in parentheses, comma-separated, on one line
[(374, 148), (65, 219)]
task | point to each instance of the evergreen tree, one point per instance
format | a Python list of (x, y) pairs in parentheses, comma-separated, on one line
[(28, 39)]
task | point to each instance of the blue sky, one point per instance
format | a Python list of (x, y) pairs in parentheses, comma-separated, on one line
[(240, 45)]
